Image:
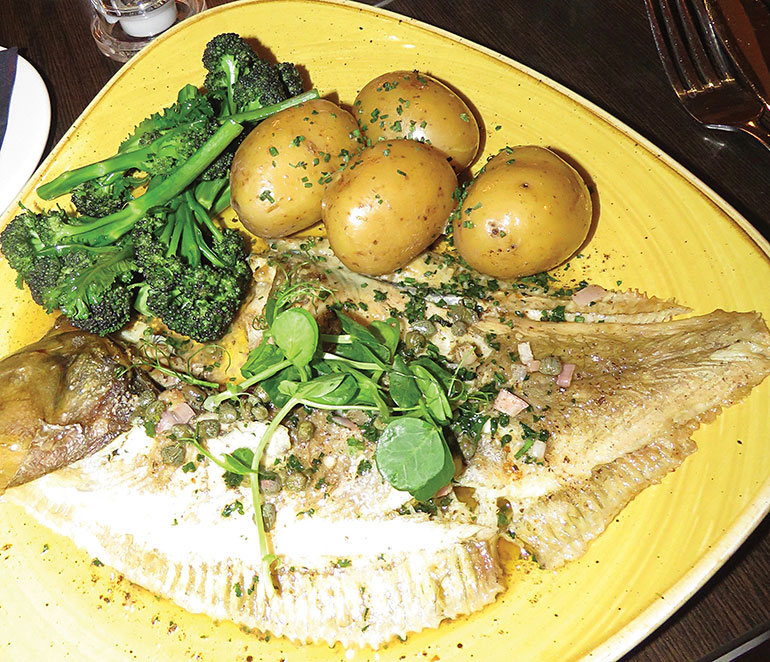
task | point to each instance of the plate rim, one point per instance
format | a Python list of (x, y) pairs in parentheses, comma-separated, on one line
[(33, 84), (657, 613)]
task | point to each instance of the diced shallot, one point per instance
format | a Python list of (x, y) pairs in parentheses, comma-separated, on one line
[(345, 423), (525, 353), (533, 366), (443, 491), (508, 403), (588, 294), (181, 413), (565, 376)]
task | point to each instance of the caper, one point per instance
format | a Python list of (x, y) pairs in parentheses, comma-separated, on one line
[(459, 328), (227, 413), (550, 365), (305, 431), (145, 398), (245, 409), (260, 393), (467, 444), (296, 482), (180, 431), (270, 486), (268, 516), (415, 341), (208, 428), (259, 413), (470, 307), (193, 395), (137, 416), (154, 410), (425, 327), (459, 313), (172, 454), (379, 424)]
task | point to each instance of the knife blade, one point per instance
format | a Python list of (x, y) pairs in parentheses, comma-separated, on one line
[(744, 28), (754, 646), (7, 76)]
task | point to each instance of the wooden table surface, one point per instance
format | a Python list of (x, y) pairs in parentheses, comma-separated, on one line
[(602, 50)]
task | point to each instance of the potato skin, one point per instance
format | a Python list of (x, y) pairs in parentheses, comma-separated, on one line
[(388, 205), (527, 211), (410, 104), (281, 169)]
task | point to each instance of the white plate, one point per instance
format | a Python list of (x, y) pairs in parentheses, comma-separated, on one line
[(29, 120)]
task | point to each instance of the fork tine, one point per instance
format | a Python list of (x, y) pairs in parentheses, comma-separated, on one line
[(671, 48), (700, 58), (712, 42)]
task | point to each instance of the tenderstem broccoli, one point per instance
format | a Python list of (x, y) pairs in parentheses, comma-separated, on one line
[(143, 237)]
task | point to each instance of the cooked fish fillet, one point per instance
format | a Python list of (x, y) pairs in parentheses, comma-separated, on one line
[(435, 277), (353, 568), (430, 282), (360, 562), (624, 422)]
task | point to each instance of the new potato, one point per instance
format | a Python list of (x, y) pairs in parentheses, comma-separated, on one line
[(412, 105), (527, 211), (281, 169), (388, 206)]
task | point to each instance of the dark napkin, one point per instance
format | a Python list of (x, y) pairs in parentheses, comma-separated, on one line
[(7, 76)]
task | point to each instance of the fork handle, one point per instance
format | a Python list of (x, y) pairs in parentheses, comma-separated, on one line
[(754, 128)]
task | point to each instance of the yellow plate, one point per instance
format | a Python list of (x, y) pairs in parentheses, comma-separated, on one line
[(660, 230)]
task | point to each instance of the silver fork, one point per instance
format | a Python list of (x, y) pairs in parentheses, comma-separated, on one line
[(700, 71)]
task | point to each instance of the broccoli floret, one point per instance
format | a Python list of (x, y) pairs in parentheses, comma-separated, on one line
[(240, 82), (226, 58), (108, 315), (89, 286), (190, 106), (89, 282), (261, 86), (265, 85), (292, 80), (201, 304), (20, 239), (194, 284), (232, 251), (42, 279), (105, 195)]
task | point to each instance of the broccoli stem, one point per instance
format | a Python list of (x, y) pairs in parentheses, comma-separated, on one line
[(266, 111), (222, 202), (207, 192), (210, 255), (202, 215), (110, 228), (178, 226), (138, 158), (134, 159), (189, 248)]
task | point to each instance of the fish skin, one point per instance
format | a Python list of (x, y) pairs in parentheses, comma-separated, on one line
[(633, 383)]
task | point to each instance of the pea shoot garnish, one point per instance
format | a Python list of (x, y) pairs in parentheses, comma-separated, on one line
[(364, 368)]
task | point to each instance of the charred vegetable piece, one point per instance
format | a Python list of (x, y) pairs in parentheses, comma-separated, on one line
[(61, 398)]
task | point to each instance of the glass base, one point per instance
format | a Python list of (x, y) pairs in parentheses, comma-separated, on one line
[(113, 41)]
